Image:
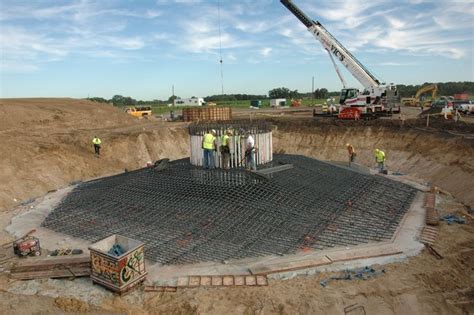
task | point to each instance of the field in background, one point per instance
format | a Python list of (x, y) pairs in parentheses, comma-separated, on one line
[(162, 109)]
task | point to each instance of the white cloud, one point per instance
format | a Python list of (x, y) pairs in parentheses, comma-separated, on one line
[(265, 51), (374, 26)]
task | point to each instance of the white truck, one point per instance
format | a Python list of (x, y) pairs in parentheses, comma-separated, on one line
[(376, 96), (277, 102), (193, 101)]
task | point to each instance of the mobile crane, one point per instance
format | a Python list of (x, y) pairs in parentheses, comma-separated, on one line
[(377, 97)]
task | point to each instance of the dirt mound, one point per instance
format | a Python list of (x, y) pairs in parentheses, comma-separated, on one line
[(64, 112)]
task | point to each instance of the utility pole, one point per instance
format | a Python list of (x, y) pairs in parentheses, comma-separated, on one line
[(312, 92)]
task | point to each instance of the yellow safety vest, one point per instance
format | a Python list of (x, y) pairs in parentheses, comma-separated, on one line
[(208, 142), (380, 156), (225, 140), (96, 141)]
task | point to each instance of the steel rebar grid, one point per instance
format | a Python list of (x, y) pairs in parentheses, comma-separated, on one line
[(185, 214)]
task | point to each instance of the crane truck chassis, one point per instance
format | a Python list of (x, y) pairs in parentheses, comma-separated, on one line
[(377, 99)]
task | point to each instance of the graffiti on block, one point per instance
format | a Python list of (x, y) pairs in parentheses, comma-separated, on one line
[(105, 269), (132, 266)]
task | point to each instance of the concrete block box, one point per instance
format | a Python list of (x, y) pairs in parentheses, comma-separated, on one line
[(118, 273)]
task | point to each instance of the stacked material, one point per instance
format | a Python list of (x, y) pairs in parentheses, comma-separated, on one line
[(207, 114), (52, 267)]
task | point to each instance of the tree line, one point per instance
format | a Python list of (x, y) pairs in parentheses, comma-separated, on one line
[(446, 88)]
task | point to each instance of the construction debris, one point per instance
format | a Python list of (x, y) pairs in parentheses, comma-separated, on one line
[(452, 218), (433, 251), (66, 252), (362, 274)]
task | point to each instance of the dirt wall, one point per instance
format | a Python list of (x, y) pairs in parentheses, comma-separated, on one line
[(46, 144), (430, 156)]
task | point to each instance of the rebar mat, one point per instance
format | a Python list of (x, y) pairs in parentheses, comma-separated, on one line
[(185, 214)]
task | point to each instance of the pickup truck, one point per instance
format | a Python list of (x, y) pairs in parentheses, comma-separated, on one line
[(464, 106)]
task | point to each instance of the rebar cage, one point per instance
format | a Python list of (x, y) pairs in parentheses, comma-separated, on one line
[(260, 131)]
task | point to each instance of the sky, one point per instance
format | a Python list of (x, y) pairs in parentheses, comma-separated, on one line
[(141, 49)]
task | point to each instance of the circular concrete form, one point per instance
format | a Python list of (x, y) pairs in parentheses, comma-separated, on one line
[(184, 214), (260, 131)]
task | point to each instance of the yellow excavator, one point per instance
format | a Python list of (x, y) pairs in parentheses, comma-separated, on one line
[(415, 101)]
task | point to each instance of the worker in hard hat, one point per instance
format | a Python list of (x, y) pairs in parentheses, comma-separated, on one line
[(225, 149), (380, 159), (96, 142), (209, 146), (250, 153), (351, 152)]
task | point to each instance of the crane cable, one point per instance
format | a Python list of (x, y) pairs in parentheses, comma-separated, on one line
[(220, 46)]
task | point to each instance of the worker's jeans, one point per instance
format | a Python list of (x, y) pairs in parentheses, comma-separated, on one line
[(208, 159), (226, 161), (250, 160), (97, 149), (380, 166)]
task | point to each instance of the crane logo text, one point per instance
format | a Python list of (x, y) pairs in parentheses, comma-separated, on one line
[(337, 53)]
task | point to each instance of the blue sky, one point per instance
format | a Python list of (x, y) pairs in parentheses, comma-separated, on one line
[(141, 48)]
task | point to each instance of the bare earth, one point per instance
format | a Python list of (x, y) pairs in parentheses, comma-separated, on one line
[(47, 145)]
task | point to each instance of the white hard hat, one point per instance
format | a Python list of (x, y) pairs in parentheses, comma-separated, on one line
[(213, 131)]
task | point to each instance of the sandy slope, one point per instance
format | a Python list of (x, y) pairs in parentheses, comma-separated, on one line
[(46, 145)]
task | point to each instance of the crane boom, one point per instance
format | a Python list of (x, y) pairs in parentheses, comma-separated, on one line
[(332, 45)]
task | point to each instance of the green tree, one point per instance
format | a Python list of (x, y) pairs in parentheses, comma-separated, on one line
[(117, 100), (172, 98), (283, 92), (321, 93)]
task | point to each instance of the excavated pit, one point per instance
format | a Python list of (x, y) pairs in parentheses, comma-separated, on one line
[(184, 214)]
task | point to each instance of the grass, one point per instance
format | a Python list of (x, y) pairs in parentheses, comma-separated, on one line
[(159, 109)]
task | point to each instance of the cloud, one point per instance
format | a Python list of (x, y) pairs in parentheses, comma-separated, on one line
[(265, 51), (407, 31)]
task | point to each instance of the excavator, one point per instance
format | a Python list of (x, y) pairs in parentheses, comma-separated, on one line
[(415, 101), (377, 97)]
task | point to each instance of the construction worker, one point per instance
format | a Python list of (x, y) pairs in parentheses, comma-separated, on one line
[(225, 149), (209, 146), (96, 142), (352, 153), (380, 159), (250, 153)]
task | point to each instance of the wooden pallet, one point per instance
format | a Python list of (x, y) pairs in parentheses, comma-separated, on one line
[(429, 234), (52, 267), (432, 216)]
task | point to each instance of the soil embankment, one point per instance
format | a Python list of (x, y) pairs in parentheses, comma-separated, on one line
[(46, 144), (440, 157)]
